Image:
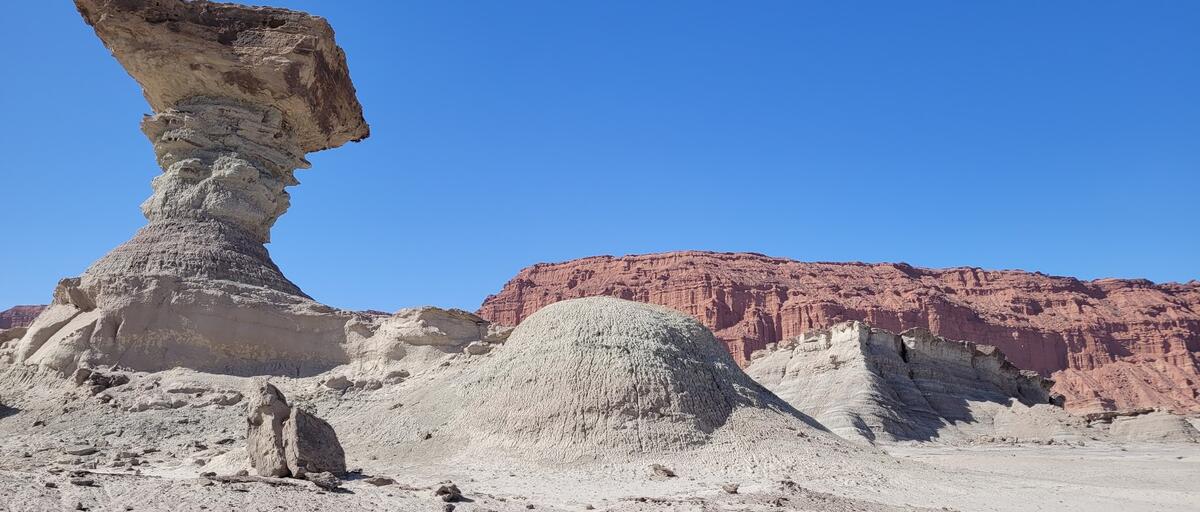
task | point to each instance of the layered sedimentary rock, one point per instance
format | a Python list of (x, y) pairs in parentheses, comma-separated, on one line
[(19, 316), (239, 95), (1108, 344), (421, 334), (874, 385)]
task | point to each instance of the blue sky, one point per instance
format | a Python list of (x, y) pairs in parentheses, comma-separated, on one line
[(1061, 137)]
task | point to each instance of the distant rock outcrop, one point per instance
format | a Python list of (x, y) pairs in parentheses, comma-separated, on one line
[(19, 316), (874, 385), (1109, 344)]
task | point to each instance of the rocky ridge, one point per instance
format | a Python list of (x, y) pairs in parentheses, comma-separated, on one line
[(1109, 344)]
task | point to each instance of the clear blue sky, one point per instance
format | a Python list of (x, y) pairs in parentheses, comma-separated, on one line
[(1061, 137)]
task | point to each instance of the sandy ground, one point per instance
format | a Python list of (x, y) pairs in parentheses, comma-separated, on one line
[(1100, 478), (1144, 477), (170, 441)]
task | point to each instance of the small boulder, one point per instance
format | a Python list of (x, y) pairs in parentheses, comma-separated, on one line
[(83, 449), (368, 384), (448, 492), (380, 481), (324, 480), (97, 381), (396, 376), (267, 411), (283, 440), (311, 445), (661, 472), (477, 348), (338, 382), (498, 333)]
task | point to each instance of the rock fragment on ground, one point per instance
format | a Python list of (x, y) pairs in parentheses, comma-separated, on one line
[(448, 492), (283, 440)]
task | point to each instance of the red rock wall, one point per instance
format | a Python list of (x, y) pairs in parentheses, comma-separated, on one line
[(19, 316), (1109, 343)]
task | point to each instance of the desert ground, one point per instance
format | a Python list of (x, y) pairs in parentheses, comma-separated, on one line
[(167, 443)]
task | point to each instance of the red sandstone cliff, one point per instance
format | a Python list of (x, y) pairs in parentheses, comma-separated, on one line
[(19, 316), (1109, 343)]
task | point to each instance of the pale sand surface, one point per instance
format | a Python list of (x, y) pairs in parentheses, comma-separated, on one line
[(1133, 477)]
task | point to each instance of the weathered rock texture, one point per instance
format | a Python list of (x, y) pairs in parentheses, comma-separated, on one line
[(240, 95), (602, 380), (19, 316), (1149, 426), (1108, 344), (873, 385), (282, 440), (182, 50)]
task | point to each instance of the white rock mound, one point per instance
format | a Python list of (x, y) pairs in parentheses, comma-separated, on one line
[(870, 385), (607, 380), (1145, 426)]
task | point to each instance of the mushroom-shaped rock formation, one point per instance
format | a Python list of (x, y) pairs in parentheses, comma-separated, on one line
[(609, 381), (240, 95)]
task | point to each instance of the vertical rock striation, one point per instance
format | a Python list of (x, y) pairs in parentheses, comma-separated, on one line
[(240, 95), (873, 385), (1108, 344)]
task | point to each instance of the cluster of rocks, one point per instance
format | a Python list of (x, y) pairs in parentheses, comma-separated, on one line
[(287, 441), (98, 381)]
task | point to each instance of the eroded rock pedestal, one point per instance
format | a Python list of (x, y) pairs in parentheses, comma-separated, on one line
[(240, 95)]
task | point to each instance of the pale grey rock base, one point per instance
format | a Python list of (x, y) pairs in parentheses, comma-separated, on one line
[(869, 385)]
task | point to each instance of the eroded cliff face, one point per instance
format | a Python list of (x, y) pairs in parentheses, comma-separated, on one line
[(871, 385), (1109, 344)]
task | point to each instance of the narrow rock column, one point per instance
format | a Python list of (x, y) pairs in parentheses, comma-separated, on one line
[(223, 162)]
